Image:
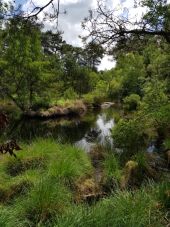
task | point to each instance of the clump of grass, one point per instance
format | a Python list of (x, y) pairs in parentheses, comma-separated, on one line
[(70, 163), (112, 171), (5, 216), (163, 194), (112, 167), (48, 199), (125, 209), (141, 159), (15, 167), (18, 189), (2, 194), (145, 171), (129, 177), (42, 196), (9, 192)]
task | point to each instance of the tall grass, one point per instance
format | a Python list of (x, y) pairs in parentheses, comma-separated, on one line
[(47, 199), (122, 209), (35, 191)]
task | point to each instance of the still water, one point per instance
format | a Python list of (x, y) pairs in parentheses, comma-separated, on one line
[(93, 128)]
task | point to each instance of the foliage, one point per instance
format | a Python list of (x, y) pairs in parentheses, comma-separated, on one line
[(70, 94), (154, 95), (129, 135), (131, 102)]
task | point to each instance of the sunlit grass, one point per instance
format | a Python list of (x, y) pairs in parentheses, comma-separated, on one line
[(39, 188)]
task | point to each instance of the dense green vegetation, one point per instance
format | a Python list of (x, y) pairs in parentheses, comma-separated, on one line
[(46, 186), (54, 184)]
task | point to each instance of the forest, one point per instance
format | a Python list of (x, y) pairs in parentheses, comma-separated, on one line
[(81, 146)]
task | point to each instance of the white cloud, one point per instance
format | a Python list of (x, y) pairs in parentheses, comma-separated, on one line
[(107, 63), (77, 10), (70, 23)]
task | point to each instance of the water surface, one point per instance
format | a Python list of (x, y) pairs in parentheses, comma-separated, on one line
[(93, 128)]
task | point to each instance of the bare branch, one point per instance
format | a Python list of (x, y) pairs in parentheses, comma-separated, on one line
[(38, 9), (109, 26)]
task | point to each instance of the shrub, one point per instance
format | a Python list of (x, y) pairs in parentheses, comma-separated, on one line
[(70, 94), (131, 102), (129, 135), (115, 89), (94, 98)]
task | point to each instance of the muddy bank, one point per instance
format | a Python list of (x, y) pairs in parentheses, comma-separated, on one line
[(78, 109)]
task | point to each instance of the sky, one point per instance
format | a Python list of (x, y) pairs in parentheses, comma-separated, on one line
[(77, 10), (70, 23)]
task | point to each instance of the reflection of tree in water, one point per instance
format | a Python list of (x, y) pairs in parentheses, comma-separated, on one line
[(26, 130), (65, 130)]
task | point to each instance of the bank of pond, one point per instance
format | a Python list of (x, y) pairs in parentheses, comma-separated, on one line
[(67, 172)]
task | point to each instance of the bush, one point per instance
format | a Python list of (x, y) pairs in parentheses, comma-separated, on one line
[(129, 135), (115, 89), (131, 102), (40, 104), (70, 94), (95, 98)]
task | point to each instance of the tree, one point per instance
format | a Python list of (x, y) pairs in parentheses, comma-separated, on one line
[(22, 69), (52, 43), (93, 54), (109, 26)]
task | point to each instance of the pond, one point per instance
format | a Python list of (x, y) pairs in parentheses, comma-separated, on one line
[(93, 128)]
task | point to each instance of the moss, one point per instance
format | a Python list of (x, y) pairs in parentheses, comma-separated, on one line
[(87, 189), (129, 175)]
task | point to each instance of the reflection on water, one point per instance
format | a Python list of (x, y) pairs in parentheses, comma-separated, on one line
[(101, 131), (94, 127), (105, 128)]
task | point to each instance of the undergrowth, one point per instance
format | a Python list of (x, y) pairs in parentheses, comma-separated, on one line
[(38, 189)]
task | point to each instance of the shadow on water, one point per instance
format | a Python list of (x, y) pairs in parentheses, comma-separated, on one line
[(94, 127)]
